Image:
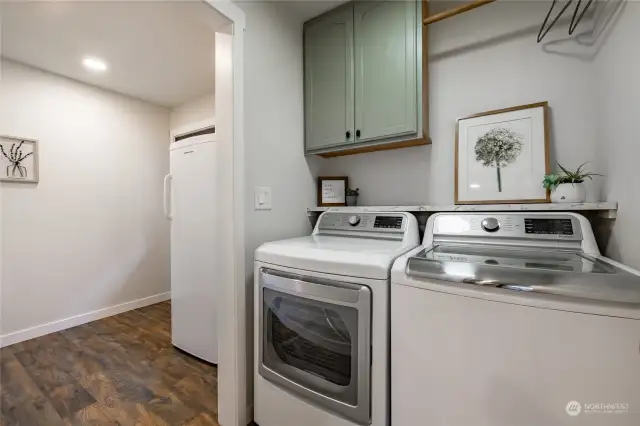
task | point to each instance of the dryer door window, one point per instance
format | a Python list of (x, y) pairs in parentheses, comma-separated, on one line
[(316, 345), (312, 337)]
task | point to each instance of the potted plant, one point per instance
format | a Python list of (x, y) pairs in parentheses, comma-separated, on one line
[(352, 196), (567, 186)]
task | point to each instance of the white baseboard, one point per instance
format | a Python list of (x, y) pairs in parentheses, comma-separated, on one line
[(51, 327)]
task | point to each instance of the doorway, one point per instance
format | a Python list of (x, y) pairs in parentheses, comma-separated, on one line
[(101, 98)]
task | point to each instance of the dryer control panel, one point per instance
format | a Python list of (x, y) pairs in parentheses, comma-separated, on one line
[(387, 225), (386, 222)]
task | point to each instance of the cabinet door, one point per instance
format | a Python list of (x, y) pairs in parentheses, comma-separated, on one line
[(386, 86), (329, 91)]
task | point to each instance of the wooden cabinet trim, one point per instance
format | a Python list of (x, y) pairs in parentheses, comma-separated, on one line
[(425, 73), (379, 147)]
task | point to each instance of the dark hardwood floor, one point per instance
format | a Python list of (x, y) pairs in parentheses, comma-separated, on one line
[(120, 370)]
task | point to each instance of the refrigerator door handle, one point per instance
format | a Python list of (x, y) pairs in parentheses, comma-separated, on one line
[(165, 197)]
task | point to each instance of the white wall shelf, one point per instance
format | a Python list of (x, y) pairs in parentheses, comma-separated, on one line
[(605, 209)]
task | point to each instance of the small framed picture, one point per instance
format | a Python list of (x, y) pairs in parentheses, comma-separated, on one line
[(502, 156), (332, 191), (18, 159)]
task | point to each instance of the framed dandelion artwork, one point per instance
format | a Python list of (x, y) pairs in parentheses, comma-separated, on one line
[(502, 155), (18, 160)]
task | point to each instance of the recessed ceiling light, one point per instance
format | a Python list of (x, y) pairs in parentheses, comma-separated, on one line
[(94, 64)]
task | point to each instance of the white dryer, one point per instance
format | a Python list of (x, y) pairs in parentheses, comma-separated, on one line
[(322, 321), (513, 319)]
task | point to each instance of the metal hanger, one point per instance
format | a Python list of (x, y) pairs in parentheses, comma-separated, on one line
[(586, 43), (541, 35), (572, 27), (604, 15), (574, 22)]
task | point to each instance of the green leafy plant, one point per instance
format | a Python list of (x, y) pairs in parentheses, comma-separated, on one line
[(353, 192), (551, 181)]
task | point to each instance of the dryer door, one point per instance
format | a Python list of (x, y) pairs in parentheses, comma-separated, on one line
[(316, 340)]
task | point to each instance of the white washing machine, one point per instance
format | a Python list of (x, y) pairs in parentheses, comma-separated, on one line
[(513, 320), (322, 321)]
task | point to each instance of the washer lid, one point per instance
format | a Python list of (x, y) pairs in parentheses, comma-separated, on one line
[(354, 257), (556, 272)]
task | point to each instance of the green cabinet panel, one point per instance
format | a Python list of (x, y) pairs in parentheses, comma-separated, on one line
[(386, 100), (328, 80), (363, 77)]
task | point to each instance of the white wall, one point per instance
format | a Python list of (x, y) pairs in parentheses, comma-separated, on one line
[(619, 108), (91, 234), (274, 154), (274, 120), (194, 111), (478, 61)]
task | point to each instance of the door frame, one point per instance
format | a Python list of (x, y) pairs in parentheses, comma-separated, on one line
[(232, 314)]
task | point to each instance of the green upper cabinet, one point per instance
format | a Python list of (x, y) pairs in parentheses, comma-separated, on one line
[(328, 80), (385, 63), (363, 78)]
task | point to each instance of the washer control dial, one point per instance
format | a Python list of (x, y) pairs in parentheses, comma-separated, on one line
[(490, 224), (354, 220)]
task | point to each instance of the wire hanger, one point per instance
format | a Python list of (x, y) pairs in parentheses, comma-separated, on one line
[(574, 22), (572, 27), (541, 35), (603, 17), (585, 42)]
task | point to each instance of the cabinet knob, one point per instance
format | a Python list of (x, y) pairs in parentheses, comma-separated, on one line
[(348, 134), (357, 133)]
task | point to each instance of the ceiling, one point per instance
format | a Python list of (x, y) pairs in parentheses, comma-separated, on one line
[(161, 52)]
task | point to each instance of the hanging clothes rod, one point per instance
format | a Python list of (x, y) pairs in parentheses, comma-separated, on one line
[(544, 29), (455, 11)]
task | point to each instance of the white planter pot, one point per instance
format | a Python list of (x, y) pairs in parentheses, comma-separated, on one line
[(569, 193)]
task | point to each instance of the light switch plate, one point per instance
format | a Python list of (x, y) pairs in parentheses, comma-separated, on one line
[(262, 198)]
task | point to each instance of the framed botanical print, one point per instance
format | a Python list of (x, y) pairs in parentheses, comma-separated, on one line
[(18, 159), (332, 191), (502, 156)]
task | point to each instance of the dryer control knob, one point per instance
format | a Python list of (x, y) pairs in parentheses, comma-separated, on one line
[(354, 220), (490, 224)]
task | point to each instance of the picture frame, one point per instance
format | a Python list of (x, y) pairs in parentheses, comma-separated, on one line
[(501, 156), (332, 191), (18, 160)]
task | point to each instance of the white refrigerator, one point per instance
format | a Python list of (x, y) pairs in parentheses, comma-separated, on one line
[(190, 197)]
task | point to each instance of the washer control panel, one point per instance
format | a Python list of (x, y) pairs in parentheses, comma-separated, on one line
[(556, 226), (546, 226)]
